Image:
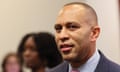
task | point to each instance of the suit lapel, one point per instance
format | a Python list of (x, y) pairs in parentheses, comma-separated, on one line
[(61, 68), (102, 65)]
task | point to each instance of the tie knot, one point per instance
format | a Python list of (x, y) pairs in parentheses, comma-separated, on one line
[(75, 70)]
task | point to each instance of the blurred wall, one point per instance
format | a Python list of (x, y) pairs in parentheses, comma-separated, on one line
[(18, 17), (108, 16)]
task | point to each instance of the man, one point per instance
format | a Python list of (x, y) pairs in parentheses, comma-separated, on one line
[(77, 30)]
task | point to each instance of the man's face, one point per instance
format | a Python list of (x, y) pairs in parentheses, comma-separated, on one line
[(73, 33)]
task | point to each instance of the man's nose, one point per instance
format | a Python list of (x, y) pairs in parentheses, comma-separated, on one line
[(64, 35)]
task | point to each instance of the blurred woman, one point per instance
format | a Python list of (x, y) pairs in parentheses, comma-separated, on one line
[(11, 63), (39, 51)]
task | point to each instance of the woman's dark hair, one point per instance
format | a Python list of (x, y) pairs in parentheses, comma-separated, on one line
[(6, 58), (46, 47)]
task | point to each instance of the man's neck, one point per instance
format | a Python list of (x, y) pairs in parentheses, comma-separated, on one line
[(79, 62), (86, 67)]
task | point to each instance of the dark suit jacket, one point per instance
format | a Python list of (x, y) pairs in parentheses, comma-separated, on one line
[(61, 68), (104, 65)]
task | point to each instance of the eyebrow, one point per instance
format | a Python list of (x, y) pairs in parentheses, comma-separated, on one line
[(72, 22)]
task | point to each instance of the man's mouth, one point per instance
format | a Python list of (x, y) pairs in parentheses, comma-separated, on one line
[(66, 47)]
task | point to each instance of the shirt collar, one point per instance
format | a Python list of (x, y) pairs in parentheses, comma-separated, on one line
[(90, 65)]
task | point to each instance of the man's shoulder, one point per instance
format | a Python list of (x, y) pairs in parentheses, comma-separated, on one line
[(106, 65), (113, 67)]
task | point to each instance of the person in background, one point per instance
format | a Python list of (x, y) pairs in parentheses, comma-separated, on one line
[(39, 51), (12, 63), (76, 34)]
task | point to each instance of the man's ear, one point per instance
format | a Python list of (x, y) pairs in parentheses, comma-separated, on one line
[(95, 33)]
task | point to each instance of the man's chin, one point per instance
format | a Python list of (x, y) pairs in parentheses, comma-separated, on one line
[(68, 57)]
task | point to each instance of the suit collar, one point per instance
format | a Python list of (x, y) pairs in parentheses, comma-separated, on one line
[(102, 66)]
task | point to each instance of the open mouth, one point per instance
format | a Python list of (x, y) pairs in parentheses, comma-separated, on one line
[(66, 47)]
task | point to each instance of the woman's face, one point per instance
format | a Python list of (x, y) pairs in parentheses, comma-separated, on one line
[(30, 54), (12, 64)]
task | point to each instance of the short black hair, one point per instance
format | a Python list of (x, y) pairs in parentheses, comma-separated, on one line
[(86, 6), (46, 47)]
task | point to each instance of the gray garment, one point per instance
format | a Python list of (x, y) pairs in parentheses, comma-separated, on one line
[(104, 65), (63, 67)]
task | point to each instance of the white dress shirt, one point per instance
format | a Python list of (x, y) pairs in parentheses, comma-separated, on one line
[(90, 65)]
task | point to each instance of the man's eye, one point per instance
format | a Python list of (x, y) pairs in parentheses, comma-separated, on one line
[(72, 27), (58, 27)]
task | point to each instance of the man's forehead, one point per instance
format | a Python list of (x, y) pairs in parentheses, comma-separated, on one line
[(70, 8)]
